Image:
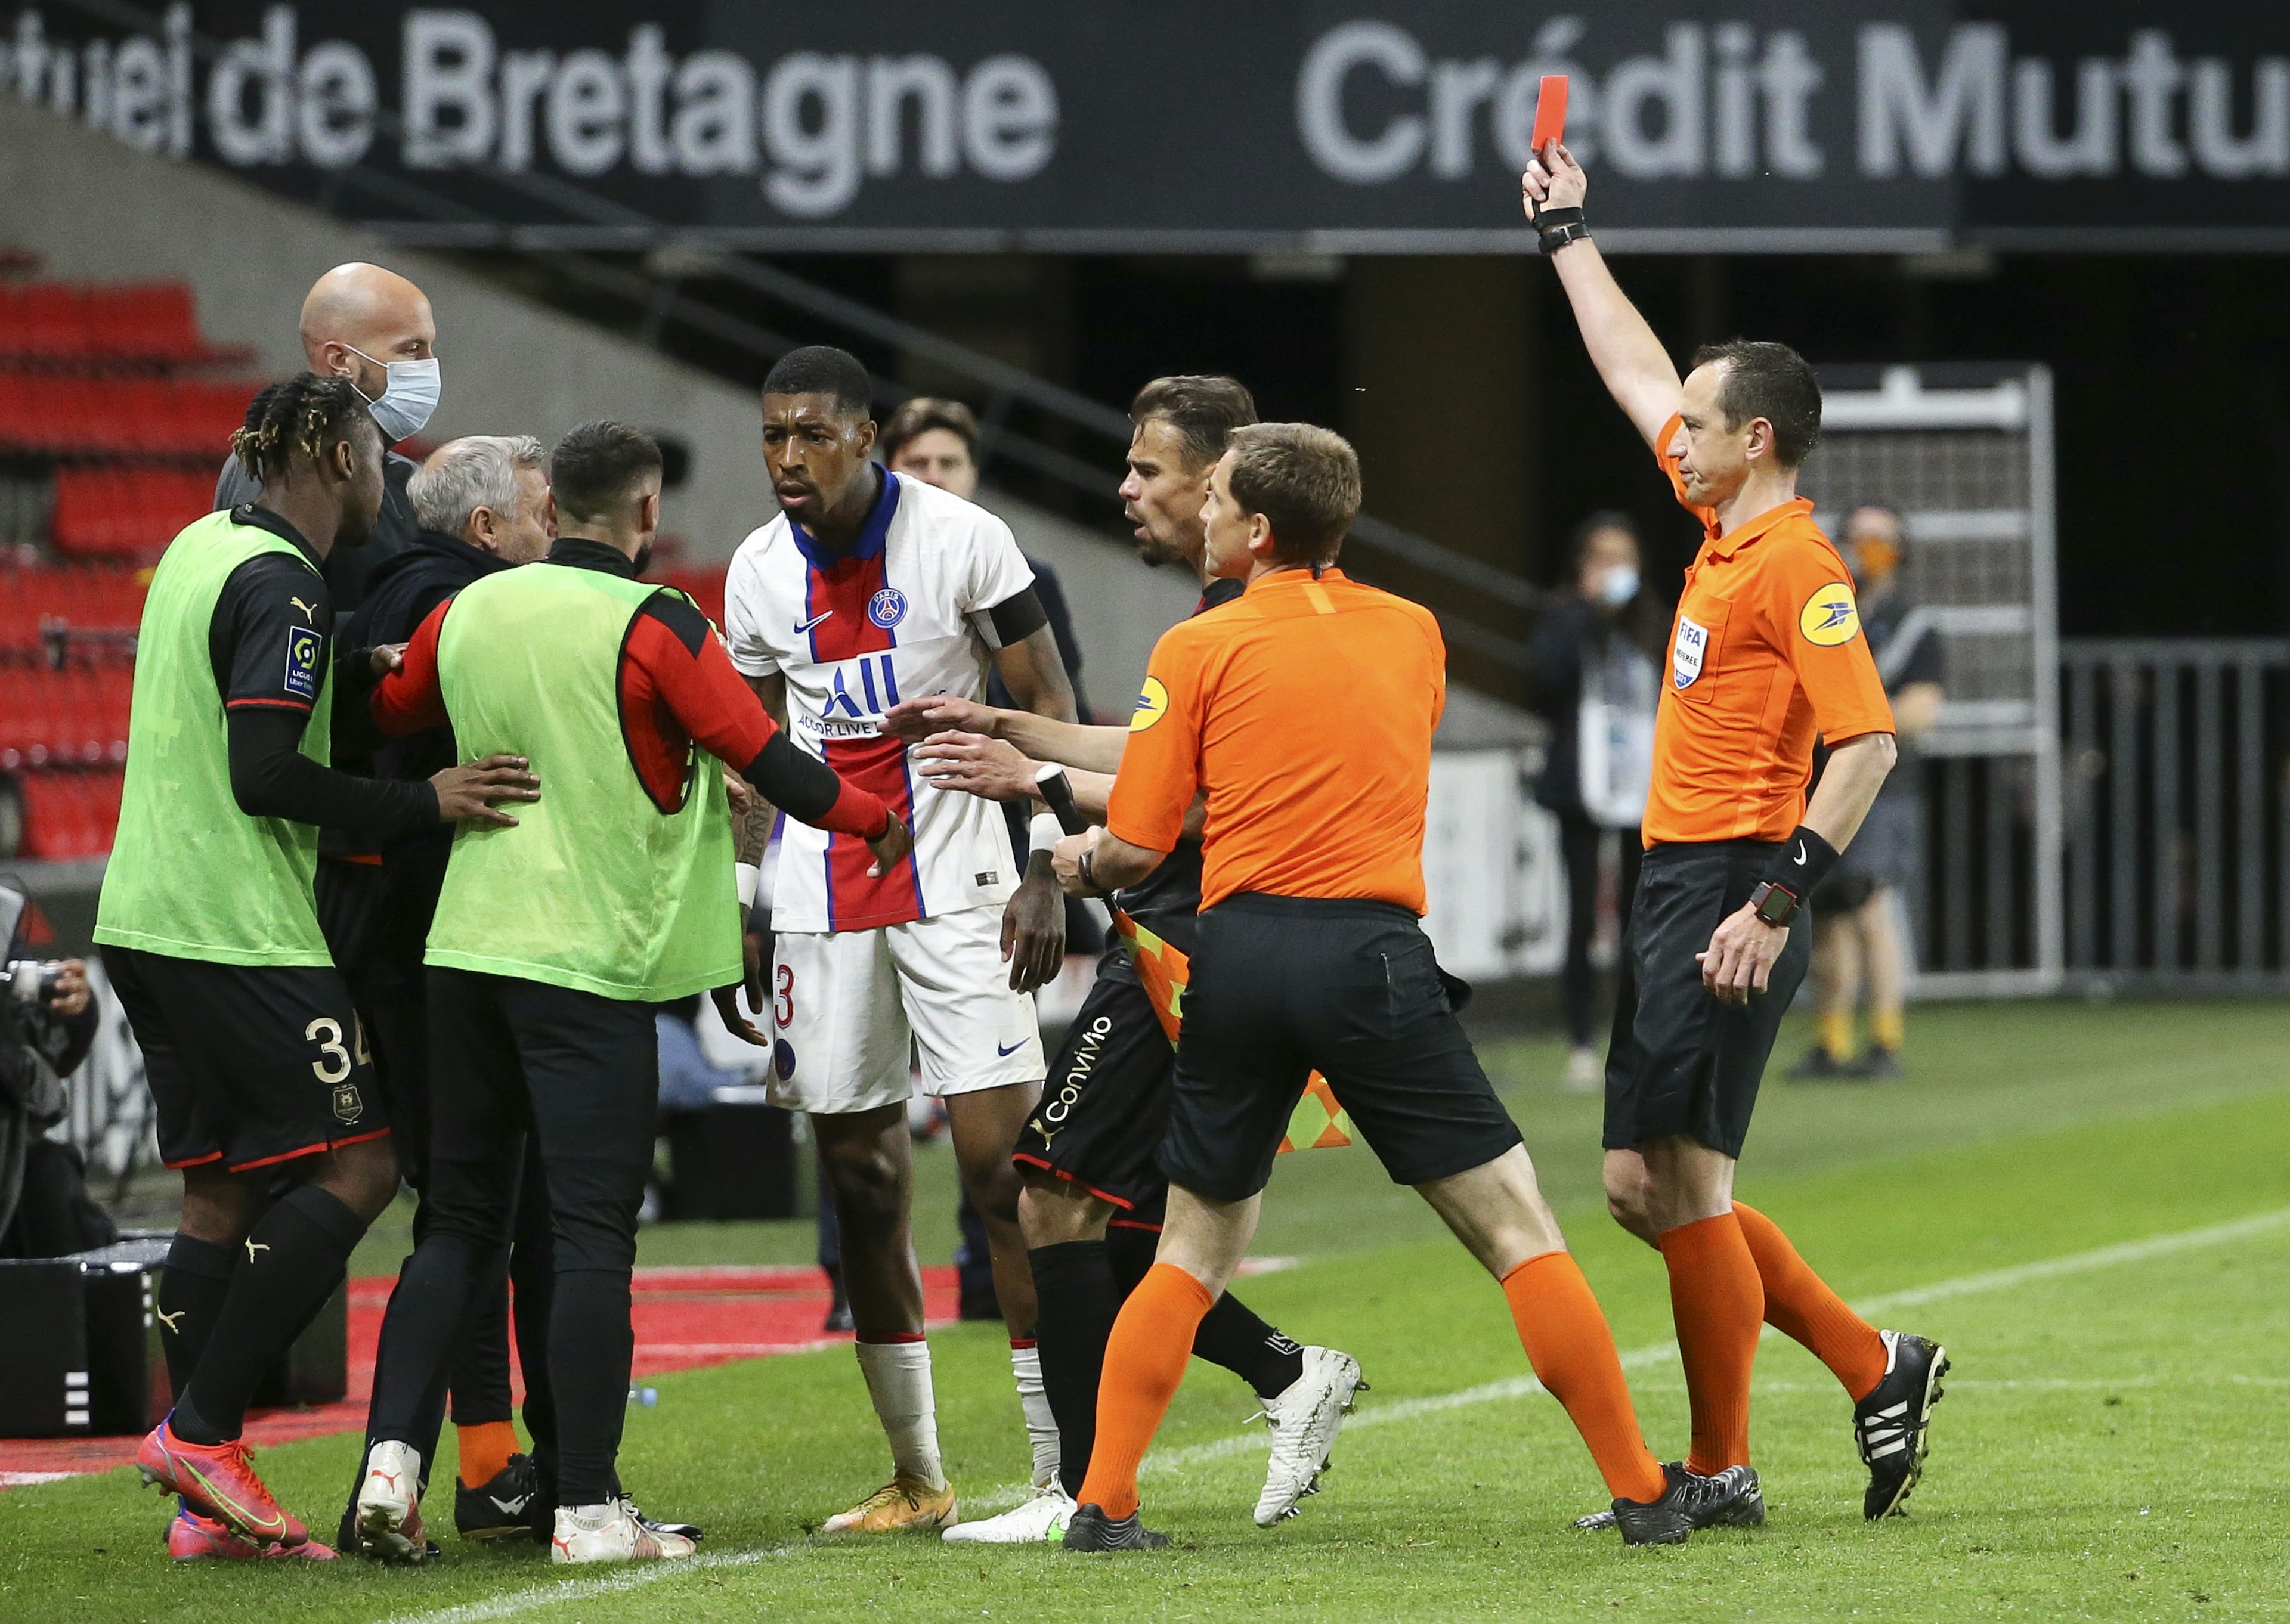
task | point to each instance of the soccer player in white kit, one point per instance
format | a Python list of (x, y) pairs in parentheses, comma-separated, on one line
[(869, 587)]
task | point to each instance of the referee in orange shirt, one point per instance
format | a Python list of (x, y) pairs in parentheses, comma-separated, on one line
[(1304, 709), (1765, 653)]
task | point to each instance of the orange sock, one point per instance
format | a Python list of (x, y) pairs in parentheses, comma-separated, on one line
[(1719, 1307), (485, 1449), (1800, 1305), (1144, 1361), (1567, 1341)]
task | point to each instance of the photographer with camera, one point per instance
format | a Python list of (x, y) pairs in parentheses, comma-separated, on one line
[(48, 1022)]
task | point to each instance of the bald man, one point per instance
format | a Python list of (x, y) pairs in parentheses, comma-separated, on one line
[(373, 327)]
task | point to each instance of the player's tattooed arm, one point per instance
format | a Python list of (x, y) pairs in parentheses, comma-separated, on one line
[(751, 823)]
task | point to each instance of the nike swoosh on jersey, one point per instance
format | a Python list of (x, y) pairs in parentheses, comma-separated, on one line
[(802, 626), (1800, 854), (1013, 1049)]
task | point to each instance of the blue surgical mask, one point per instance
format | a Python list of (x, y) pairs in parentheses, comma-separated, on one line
[(1620, 585), (409, 398)]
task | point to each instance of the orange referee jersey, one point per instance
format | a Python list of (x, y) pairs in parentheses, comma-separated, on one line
[(1766, 653), (1305, 708)]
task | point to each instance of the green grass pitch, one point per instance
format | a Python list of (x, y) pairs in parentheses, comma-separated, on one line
[(2091, 1205)]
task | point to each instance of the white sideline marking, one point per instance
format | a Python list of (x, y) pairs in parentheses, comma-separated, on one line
[(2080, 1262), (1164, 1462), (515, 1602)]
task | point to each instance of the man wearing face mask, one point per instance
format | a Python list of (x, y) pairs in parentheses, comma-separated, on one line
[(1595, 681), (374, 328)]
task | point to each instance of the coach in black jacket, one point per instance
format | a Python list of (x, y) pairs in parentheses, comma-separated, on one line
[(482, 506)]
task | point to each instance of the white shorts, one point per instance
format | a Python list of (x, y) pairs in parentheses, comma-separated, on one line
[(847, 1006)]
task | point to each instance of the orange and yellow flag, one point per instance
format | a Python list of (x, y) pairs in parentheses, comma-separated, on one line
[(1317, 1123)]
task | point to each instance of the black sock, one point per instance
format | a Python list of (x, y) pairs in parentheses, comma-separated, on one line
[(1129, 1252), (1230, 1334), (1233, 1336), (294, 1259), (1073, 1286), (188, 1301)]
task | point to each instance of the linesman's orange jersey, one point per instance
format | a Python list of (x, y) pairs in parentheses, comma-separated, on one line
[(1305, 708), (1766, 653)]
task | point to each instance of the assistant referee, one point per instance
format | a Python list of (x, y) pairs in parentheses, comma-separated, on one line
[(1305, 708), (1766, 652)]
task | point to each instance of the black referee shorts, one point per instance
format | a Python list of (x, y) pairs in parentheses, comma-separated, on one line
[(1283, 985), (249, 1065), (1105, 1106), (1680, 1062)]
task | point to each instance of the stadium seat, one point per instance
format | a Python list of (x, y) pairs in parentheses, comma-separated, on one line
[(143, 322), (150, 325), (53, 323), (99, 597), (110, 511), (70, 812)]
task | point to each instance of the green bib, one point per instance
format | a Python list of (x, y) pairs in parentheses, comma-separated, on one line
[(596, 888), (190, 874)]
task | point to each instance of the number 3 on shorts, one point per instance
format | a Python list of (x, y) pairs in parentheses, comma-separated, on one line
[(335, 1061)]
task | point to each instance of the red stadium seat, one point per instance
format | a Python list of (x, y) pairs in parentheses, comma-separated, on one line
[(54, 321), (143, 322), (70, 812)]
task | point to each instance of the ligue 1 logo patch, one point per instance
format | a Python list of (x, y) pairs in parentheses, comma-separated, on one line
[(303, 645), (887, 607), (1830, 616), (1687, 655)]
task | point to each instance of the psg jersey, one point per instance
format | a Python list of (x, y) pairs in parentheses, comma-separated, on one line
[(895, 616)]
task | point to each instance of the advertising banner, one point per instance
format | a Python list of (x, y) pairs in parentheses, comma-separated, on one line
[(1087, 126)]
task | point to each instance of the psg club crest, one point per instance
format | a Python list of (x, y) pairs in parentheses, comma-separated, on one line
[(1686, 653), (348, 1107), (887, 607)]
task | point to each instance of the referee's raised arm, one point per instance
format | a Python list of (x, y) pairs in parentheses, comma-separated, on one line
[(1636, 369)]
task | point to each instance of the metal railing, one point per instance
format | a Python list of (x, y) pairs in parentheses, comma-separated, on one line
[(589, 223), (2178, 814)]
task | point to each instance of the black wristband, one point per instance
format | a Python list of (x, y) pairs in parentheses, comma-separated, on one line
[(1802, 863), (1554, 228)]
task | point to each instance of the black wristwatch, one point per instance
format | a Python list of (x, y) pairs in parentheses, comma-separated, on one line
[(1088, 871), (1776, 905)]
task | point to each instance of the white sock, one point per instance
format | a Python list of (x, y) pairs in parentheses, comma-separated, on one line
[(899, 1380), (1041, 1425)]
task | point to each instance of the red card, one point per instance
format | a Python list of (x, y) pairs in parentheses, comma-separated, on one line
[(1551, 112)]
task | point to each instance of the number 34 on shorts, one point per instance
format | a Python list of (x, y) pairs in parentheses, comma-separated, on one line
[(336, 1061)]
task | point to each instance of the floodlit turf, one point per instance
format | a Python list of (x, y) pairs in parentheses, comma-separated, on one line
[(2110, 1447)]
